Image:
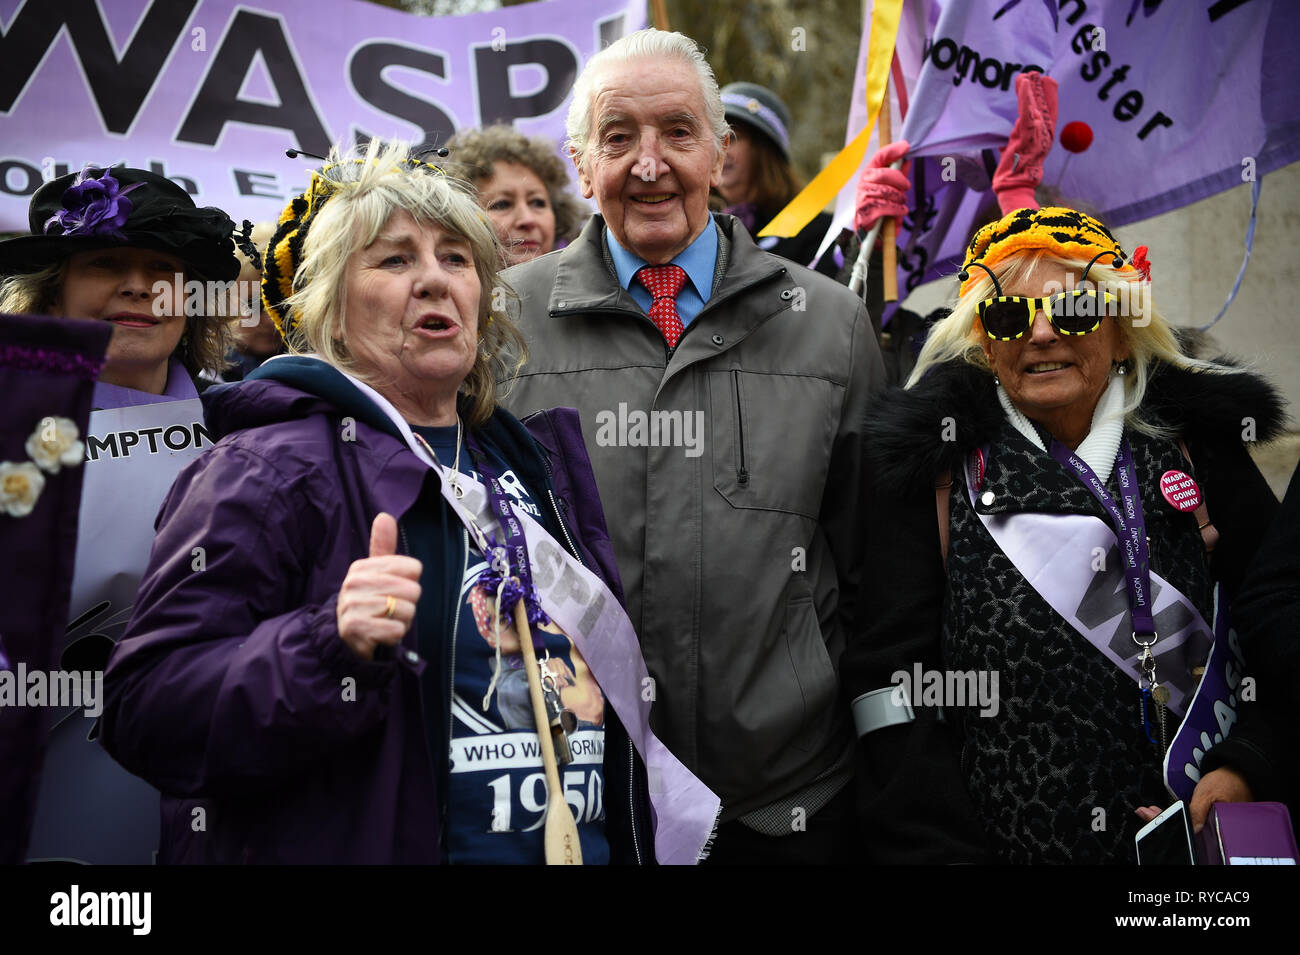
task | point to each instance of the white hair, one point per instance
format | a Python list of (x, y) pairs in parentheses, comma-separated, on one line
[(643, 44)]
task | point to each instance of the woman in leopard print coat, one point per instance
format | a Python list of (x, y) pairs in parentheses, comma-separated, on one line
[(1057, 771)]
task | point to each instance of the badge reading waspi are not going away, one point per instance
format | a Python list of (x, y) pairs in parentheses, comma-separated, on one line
[(1180, 490)]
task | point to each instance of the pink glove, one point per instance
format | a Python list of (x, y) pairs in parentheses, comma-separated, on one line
[(882, 191), (1021, 168)]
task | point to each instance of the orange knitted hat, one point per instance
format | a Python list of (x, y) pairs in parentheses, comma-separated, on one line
[(1063, 232)]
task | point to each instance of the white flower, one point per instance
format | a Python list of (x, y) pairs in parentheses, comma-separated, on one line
[(54, 443), (20, 486)]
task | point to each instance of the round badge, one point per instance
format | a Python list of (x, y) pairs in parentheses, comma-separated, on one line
[(1180, 490)]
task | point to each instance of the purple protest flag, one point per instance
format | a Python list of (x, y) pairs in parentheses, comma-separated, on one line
[(1184, 100), (1213, 709)]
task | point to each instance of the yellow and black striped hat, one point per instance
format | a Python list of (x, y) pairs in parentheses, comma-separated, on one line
[(284, 252), (1064, 232)]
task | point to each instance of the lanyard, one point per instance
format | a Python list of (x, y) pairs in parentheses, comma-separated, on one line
[(1130, 528), (512, 554), (496, 578)]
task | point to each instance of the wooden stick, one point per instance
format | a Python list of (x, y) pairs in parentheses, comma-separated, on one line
[(889, 264), (562, 845), (659, 14)]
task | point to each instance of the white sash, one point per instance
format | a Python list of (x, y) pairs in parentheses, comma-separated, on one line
[(1074, 563)]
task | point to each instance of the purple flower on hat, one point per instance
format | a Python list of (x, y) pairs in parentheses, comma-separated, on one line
[(93, 207)]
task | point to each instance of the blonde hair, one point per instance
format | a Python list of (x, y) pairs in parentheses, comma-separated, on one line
[(33, 293), (1142, 327), (203, 344), (365, 189)]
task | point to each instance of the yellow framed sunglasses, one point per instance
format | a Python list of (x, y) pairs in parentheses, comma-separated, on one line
[(1075, 312)]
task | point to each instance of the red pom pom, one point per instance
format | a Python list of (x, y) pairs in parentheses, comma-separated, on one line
[(1139, 261), (1076, 136)]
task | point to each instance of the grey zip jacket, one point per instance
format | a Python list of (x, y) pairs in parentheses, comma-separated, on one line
[(729, 468)]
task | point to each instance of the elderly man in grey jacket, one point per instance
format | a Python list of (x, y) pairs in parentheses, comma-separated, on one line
[(722, 392)]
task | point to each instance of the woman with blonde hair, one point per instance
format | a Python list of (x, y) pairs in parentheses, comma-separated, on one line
[(333, 684), (1032, 661)]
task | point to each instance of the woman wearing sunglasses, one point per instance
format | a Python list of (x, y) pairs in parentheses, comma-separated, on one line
[(1042, 604)]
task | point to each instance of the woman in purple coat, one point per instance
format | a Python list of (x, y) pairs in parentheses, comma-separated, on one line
[(322, 649)]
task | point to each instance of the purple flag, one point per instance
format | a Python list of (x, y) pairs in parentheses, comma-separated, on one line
[(1184, 99)]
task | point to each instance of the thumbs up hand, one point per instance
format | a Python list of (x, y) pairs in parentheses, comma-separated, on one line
[(377, 600)]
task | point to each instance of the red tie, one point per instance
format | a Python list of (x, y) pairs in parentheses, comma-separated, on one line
[(663, 282)]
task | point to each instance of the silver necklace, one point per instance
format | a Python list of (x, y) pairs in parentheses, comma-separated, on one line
[(456, 489)]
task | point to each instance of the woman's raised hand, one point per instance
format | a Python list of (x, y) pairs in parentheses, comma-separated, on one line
[(378, 597)]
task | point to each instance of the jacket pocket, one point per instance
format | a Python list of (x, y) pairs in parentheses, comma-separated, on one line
[(771, 438), (813, 671)]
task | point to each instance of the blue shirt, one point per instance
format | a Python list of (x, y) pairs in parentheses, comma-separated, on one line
[(699, 259)]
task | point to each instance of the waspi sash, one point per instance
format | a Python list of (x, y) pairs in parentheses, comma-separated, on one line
[(1049, 551)]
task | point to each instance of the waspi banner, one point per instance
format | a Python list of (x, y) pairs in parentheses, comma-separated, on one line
[(211, 92)]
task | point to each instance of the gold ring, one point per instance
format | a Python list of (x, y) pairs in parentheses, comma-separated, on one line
[(392, 605)]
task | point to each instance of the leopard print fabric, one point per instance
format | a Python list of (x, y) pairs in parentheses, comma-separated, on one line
[(1067, 739)]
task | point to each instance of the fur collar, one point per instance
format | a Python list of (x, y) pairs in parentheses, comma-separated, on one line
[(913, 436)]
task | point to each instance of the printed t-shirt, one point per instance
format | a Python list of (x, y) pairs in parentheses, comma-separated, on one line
[(494, 785)]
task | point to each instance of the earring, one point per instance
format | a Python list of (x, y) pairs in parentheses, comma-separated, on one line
[(1121, 368)]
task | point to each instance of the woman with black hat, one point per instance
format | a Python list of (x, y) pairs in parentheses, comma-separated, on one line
[(758, 180), (120, 246)]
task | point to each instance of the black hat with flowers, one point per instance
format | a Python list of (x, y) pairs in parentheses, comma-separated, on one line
[(119, 206)]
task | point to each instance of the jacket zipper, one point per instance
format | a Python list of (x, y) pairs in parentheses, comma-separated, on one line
[(631, 797), (631, 758), (569, 540), (742, 473)]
